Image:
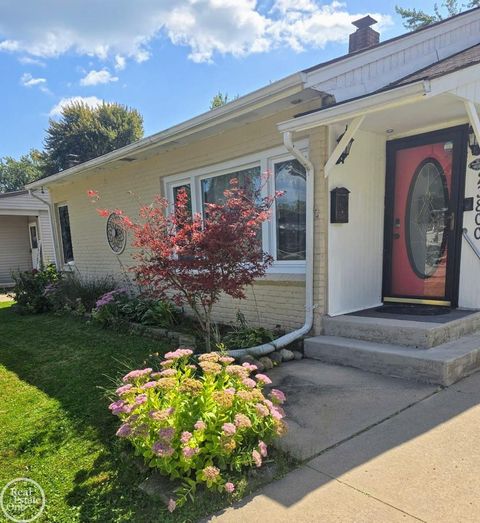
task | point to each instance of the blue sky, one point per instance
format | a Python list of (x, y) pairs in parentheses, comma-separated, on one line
[(167, 58)]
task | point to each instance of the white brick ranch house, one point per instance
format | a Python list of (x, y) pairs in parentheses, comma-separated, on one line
[(378, 153)]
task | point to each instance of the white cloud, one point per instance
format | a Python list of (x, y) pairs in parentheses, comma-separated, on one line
[(207, 27), (28, 60), (98, 77), (27, 80), (91, 101), (120, 62)]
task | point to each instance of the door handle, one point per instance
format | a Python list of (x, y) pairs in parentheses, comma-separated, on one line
[(396, 236), (452, 221)]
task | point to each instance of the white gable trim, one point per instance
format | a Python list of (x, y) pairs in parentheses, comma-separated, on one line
[(376, 68)]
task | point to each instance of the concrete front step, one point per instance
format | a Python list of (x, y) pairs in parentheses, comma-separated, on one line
[(444, 364), (417, 334)]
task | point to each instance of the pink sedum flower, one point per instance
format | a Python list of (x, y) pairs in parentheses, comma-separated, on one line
[(229, 429), (135, 374), (124, 431), (141, 399), (263, 449), (262, 410), (179, 353), (123, 389), (278, 396), (277, 412), (248, 382), (149, 385), (257, 458), (200, 425), (263, 379), (249, 366), (166, 433), (172, 505), (185, 437), (162, 449), (229, 487), (189, 452)]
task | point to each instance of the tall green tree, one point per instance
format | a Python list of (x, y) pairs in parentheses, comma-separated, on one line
[(15, 174), (417, 18), (83, 133)]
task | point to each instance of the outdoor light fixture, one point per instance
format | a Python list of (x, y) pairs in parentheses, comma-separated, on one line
[(472, 142), (346, 151)]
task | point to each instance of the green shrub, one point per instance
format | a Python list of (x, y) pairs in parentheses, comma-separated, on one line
[(117, 306), (74, 292), (32, 288), (242, 336), (199, 424), (161, 314)]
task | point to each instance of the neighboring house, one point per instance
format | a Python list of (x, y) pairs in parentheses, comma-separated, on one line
[(26, 239), (410, 106)]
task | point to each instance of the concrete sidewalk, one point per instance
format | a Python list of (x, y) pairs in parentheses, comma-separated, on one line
[(5, 297), (419, 464)]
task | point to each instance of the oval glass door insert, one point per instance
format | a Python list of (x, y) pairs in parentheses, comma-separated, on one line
[(426, 219)]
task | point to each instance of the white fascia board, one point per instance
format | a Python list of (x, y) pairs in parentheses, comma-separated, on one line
[(454, 80), (377, 102), (266, 95), (327, 72)]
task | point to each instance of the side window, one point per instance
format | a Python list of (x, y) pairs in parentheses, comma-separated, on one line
[(33, 237), (214, 187), (64, 220), (290, 178), (185, 187)]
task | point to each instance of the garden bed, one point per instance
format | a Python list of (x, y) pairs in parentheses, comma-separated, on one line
[(56, 427)]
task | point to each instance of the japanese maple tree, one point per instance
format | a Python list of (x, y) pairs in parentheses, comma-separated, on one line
[(192, 259)]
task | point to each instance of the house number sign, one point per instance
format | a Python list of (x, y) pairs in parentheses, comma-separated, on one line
[(477, 211)]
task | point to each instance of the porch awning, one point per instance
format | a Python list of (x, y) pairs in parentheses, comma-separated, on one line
[(426, 98)]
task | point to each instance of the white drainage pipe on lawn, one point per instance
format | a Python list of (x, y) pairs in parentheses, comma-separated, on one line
[(267, 348)]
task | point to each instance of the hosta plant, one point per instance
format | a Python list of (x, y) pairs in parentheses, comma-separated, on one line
[(199, 422)]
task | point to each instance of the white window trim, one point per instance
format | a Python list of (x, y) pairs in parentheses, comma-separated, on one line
[(71, 264), (266, 160)]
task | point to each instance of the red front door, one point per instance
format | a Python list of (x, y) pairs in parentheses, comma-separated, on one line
[(421, 221)]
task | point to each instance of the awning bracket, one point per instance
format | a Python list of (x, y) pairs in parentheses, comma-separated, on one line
[(473, 117), (342, 144)]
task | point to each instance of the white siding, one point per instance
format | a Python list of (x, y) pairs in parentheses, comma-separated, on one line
[(23, 204), (355, 249), (14, 246), (17, 202), (469, 294), (46, 237), (366, 72)]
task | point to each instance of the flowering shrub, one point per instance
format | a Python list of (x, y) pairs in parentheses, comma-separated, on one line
[(32, 287), (199, 423)]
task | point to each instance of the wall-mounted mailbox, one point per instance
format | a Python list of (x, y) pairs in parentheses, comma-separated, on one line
[(339, 205)]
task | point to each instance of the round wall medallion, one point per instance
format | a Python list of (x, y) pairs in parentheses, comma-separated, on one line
[(116, 233)]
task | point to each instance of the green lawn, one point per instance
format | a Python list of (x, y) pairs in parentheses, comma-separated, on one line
[(55, 426)]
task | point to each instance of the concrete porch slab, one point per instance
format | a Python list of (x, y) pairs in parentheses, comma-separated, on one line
[(416, 334), (444, 364), (327, 404)]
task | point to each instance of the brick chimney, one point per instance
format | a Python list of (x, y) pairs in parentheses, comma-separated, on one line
[(364, 36)]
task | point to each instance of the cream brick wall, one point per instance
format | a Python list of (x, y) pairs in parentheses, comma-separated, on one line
[(276, 300)]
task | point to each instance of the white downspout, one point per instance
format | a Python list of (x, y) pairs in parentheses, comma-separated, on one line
[(51, 214), (267, 348)]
